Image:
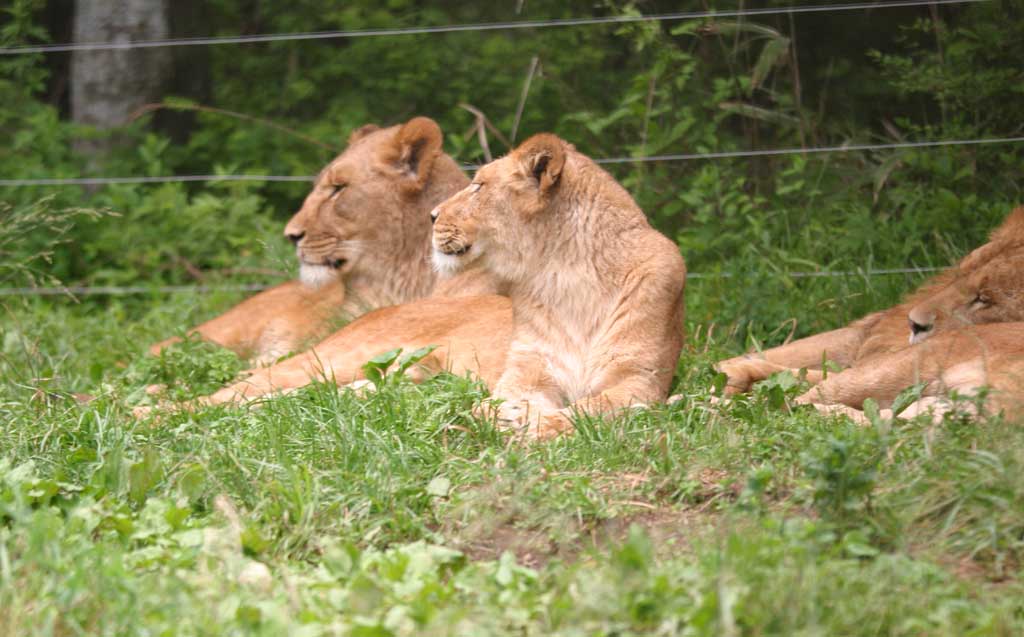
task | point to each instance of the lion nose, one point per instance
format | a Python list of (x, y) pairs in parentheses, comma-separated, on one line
[(295, 237), (917, 328)]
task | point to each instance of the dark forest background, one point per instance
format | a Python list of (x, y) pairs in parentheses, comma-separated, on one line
[(866, 76)]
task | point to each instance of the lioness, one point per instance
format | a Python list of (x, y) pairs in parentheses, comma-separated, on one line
[(985, 287), (597, 294), (598, 297), (362, 237), (963, 360)]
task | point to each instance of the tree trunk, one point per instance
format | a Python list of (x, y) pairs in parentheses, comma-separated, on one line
[(107, 86)]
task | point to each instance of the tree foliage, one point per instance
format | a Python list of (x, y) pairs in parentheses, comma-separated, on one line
[(616, 90)]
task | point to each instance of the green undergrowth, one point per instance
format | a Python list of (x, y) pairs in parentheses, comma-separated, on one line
[(399, 513)]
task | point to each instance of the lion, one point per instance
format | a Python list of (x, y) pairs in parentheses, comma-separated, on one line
[(596, 292), (593, 320), (963, 361), (985, 287), (362, 237)]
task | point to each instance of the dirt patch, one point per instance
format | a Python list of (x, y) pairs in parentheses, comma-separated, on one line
[(566, 515), (969, 568), (571, 539)]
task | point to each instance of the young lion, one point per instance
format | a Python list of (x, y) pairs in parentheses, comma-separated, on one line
[(362, 237), (598, 297), (962, 360), (597, 294), (985, 287)]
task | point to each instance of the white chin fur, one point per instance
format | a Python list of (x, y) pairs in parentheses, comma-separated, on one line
[(446, 263), (316, 276), (920, 336)]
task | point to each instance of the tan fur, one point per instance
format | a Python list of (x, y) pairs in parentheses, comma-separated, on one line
[(272, 323), (963, 360), (597, 294), (368, 242), (471, 334), (985, 287)]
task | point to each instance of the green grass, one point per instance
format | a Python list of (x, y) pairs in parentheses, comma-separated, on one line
[(397, 513)]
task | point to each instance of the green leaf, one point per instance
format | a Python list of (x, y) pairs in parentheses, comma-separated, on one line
[(882, 173), (872, 412), (772, 53), (718, 382), (192, 482), (411, 358), (376, 368), (439, 487), (144, 475), (756, 112), (373, 375), (731, 27), (385, 359), (249, 616), (907, 397)]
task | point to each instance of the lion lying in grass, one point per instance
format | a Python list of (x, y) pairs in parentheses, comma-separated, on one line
[(595, 322), (961, 361), (987, 286), (362, 237), (963, 336)]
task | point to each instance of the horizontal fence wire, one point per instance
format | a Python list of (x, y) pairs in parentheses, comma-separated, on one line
[(113, 290), (494, 26), (168, 179), (454, 28), (128, 290), (844, 148)]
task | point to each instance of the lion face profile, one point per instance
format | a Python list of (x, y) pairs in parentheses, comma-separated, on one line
[(987, 287), (491, 219), (368, 206)]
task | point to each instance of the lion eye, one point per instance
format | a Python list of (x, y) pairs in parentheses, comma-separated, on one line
[(335, 189), (475, 186), (982, 300)]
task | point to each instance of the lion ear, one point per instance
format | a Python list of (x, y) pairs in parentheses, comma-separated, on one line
[(361, 132), (542, 158), (417, 145)]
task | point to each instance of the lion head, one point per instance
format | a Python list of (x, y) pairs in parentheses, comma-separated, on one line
[(986, 287), (367, 215), (490, 219)]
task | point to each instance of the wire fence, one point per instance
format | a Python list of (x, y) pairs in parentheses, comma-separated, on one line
[(129, 290), (74, 291), (844, 148), (455, 28)]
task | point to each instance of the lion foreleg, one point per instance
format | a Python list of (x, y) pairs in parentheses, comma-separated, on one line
[(285, 376), (526, 392), (837, 346), (882, 379)]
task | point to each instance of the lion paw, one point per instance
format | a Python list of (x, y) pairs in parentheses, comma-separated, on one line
[(855, 415), (741, 374), (530, 421), (361, 388)]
